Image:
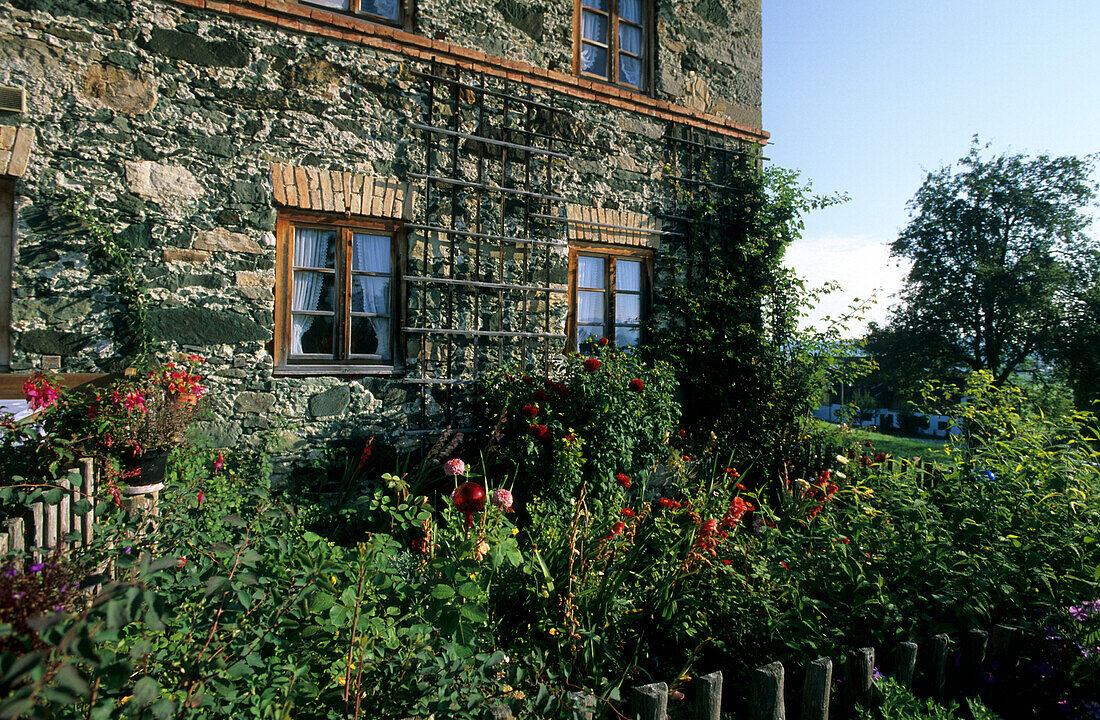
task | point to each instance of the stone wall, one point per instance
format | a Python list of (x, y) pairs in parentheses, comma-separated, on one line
[(169, 119)]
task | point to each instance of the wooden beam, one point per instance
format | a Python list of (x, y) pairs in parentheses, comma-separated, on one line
[(11, 384)]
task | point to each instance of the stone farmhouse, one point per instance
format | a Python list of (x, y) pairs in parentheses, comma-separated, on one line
[(353, 207)]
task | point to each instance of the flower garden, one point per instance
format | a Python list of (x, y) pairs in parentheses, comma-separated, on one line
[(591, 541)]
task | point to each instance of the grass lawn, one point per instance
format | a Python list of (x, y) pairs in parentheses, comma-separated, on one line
[(896, 445)]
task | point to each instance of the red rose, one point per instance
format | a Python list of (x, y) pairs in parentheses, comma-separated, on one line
[(623, 479), (602, 342), (540, 396), (727, 562), (636, 385), (539, 432), (530, 410), (880, 457), (592, 365)]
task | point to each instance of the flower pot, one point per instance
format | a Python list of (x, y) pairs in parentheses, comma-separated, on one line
[(144, 473)]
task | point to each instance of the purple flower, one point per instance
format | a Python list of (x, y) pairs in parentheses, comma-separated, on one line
[(58, 608), (876, 675), (127, 550), (37, 567), (12, 572)]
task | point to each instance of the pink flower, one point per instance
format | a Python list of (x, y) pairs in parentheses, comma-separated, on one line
[(201, 497), (454, 467), (220, 462), (502, 499), (134, 401), (39, 392)]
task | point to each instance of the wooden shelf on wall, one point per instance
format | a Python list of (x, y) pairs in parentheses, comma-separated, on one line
[(11, 384)]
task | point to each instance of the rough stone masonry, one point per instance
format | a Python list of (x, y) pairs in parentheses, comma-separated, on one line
[(168, 117)]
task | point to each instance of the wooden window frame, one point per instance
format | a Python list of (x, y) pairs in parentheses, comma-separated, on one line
[(648, 45), (7, 265), (406, 14), (342, 363), (610, 254)]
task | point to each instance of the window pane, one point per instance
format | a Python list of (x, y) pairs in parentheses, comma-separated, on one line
[(630, 39), (314, 248), (370, 294), (311, 334), (389, 9), (631, 10), (338, 4), (626, 337), (628, 275), (630, 71), (313, 291), (594, 27), (590, 272), (588, 331), (594, 59), (590, 307), (370, 253), (628, 309), (598, 4), (370, 336)]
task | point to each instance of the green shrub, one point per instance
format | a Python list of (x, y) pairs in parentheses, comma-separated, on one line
[(603, 414)]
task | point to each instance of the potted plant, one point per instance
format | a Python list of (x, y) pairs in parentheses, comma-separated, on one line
[(137, 419)]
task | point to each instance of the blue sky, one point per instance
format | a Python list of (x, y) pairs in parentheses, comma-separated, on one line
[(864, 96)]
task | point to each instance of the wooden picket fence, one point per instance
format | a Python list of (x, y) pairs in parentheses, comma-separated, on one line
[(46, 528), (814, 458), (925, 670)]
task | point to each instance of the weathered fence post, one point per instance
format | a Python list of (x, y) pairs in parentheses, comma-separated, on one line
[(708, 697), (937, 667), (38, 521), (905, 661), (973, 658), (65, 511), (858, 679), (89, 493), (766, 693), (583, 704), (816, 689), (651, 702), (17, 534)]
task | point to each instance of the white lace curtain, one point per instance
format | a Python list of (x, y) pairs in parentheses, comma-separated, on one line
[(372, 254), (630, 40), (593, 59), (310, 250), (383, 8)]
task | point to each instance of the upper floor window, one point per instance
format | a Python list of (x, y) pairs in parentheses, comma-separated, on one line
[(610, 294), (388, 11), (612, 40), (338, 294)]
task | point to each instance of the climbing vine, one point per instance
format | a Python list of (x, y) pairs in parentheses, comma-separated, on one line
[(134, 337)]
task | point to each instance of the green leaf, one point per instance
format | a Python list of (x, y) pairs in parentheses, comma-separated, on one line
[(474, 613), (145, 691), (442, 592), (469, 590)]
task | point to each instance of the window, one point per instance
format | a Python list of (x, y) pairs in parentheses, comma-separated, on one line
[(612, 40), (338, 297), (610, 293), (7, 251), (387, 11)]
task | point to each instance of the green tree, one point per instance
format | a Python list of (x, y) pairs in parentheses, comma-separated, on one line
[(1000, 257), (728, 315)]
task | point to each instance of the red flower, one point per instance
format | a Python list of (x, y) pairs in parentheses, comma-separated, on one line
[(181, 562), (733, 474), (602, 342), (869, 444), (636, 385), (559, 387), (618, 527), (845, 540), (784, 565), (530, 410), (592, 365), (735, 512), (539, 432), (823, 478), (540, 396), (666, 503), (627, 512), (727, 562), (681, 432), (623, 479), (201, 497), (710, 527), (880, 457)]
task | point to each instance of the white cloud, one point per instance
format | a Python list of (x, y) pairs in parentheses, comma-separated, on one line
[(863, 268)]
